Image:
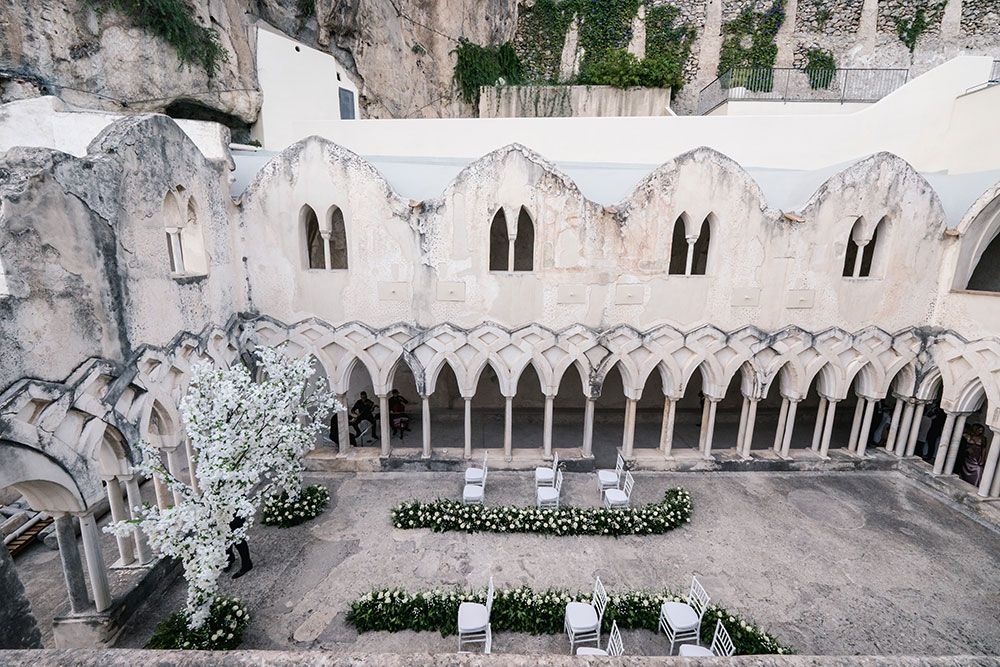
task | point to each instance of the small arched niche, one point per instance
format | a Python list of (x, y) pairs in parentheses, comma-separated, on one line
[(499, 242)]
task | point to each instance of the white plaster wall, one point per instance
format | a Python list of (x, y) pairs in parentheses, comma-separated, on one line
[(777, 108), (382, 246), (300, 85), (47, 122), (901, 123)]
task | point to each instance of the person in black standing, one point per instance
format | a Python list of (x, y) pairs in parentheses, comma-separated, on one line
[(242, 548)]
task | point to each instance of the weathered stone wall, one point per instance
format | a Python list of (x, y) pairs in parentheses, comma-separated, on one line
[(980, 17), (19, 628), (568, 101), (99, 60)]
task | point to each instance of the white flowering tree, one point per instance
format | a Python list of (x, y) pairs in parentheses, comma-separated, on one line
[(250, 437)]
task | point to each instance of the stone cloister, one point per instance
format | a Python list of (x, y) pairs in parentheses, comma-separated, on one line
[(126, 266)]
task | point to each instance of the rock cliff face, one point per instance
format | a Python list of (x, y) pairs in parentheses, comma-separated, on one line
[(400, 51), (64, 47)]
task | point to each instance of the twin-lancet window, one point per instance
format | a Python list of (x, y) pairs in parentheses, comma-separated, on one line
[(512, 246), (864, 249), (184, 236), (326, 240)]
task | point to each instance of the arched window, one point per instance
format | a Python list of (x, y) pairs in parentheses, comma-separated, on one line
[(699, 263), (520, 256), (678, 248), (185, 240), (689, 256), (338, 239), (326, 243), (499, 243), (315, 254), (861, 250), (524, 242), (986, 276)]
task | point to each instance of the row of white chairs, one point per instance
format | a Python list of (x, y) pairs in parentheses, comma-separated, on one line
[(548, 485), (679, 621)]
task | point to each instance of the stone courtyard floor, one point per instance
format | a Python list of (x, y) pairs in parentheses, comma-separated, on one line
[(843, 563)]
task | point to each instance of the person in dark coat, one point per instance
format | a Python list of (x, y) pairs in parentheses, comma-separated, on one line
[(242, 548)]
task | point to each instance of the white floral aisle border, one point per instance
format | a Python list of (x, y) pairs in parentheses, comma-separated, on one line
[(444, 515), (525, 610)]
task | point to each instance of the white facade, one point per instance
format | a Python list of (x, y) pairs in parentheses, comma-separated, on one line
[(301, 86)]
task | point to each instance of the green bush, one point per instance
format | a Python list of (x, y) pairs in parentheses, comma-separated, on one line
[(524, 610), (447, 515), (280, 511), (173, 22), (820, 68), (477, 66), (910, 30), (223, 631), (617, 68)]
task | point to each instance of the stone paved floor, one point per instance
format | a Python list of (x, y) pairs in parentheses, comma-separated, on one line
[(843, 563)]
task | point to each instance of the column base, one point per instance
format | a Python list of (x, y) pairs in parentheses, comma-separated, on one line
[(134, 565)]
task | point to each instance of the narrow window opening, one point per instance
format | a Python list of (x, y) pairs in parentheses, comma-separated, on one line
[(524, 243), (499, 243)]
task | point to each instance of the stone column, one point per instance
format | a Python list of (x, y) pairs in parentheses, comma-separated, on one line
[(343, 426), (712, 403), (547, 428), (425, 422), (326, 249), (818, 429), (468, 427), (786, 441), (175, 246), (628, 437), (942, 451), (866, 427), (742, 431), (588, 427), (904, 429), (508, 425), (192, 457), (858, 258), (667, 427), (126, 552), (690, 255), (779, 432), (911, 442), (385, 426), (990, 469), (173, 466), (703, 432), (142, 549), (831, 411), (956, 440), (161, 492), (751, 421), (95, 562), (859, 411), (72, 566), (890, 439)]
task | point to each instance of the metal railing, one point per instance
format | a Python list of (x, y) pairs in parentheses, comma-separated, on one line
[(787, 84)]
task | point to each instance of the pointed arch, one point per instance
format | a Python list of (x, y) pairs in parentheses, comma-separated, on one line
[(193, 242), (699, 259), (315, 256), (338, 238), (678, 247), (499, 242), (865, 251), (524, 242)]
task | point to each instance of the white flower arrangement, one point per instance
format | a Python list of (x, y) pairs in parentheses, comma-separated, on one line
[(280, 510), (250, 437), (446, 515)]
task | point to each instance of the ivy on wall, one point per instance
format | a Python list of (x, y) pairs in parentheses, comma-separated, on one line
[(604, 33), (748, 41), (173, 21), (820, 68), (910, 28), (477, 66)]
